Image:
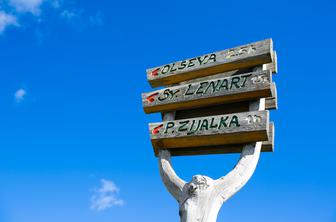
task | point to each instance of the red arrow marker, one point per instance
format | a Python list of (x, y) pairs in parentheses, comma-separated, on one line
[(151, 98), (157, 129), (155, 72)]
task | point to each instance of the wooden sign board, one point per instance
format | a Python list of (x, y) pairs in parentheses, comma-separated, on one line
[(227, 108), (272, 102), (245, 56), (273, 66), (267, 146), (218, 76), (222, 109), (212, 130), (237, 88)]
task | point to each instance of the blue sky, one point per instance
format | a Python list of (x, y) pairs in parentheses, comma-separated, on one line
[(74, 144)]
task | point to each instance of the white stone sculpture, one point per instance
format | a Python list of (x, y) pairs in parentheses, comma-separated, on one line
[(201, 199)]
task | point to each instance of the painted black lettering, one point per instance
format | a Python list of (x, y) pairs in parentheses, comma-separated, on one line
[(168, 126), (183, 126), (191, 62), (224, 85), (164, 96), (212, 125), (212, 58), (172, 68), (201, 87), (200, 60), (234, 121), (234, 81), (188, 92), (222, 122), (245, 79), (204, 125), (172, 93), (183, 65), (213, 85), (165, 69), (191, 131)]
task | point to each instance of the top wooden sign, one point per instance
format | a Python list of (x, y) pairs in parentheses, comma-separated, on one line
[(222, 61)]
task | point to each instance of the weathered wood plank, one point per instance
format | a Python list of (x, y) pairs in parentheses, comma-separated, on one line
[(245, 56), (219, 75), (222, 109), (214, 130), (269, 66), (272, 102), (267, 146), (231, 89), (273, 66)]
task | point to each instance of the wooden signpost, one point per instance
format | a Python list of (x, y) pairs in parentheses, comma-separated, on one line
[(213, 104)]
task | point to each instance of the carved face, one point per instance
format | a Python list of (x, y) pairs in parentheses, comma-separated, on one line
[(199, 180), (198, 183)]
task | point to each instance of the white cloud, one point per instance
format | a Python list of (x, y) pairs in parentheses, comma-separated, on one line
[(19, 95), (6, 20), (23, 6), (97, 19), (14, 13), (70, 14), (56, 4), (106, 196)]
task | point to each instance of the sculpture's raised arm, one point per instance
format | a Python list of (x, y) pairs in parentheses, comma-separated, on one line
[(228, 185), (173, 183)]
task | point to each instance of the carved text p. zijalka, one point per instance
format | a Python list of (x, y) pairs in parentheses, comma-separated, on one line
[(192, 126)]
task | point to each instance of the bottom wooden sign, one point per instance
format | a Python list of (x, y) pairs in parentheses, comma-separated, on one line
[(267, 146), (211, 130)]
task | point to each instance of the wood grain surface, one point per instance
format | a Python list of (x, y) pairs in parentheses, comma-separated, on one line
[(213, 91), (212, 130), (267, 146), (240, 57)]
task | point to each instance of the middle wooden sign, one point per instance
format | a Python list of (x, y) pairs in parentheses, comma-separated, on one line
[(237, 88)]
